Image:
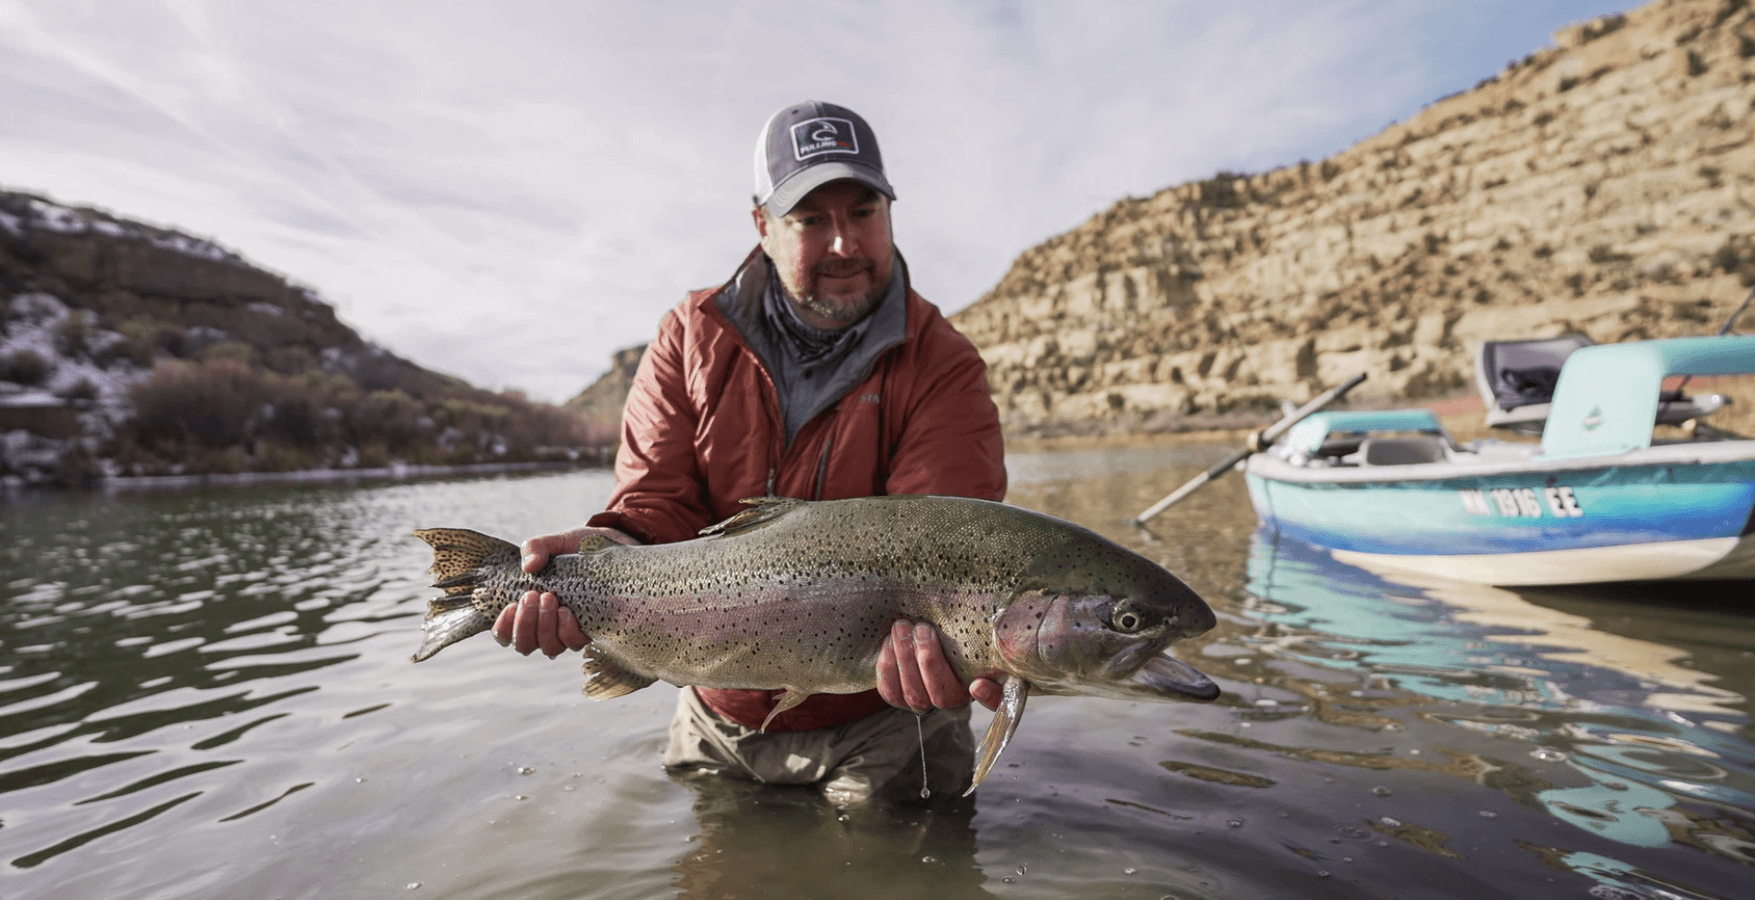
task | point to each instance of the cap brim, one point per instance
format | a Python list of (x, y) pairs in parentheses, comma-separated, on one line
[(787, 193)]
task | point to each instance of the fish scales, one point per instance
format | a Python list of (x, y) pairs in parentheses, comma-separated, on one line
[(809, 590), (798, 596)]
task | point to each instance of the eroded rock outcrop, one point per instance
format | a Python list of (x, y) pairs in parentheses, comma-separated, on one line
[(1605, 184)]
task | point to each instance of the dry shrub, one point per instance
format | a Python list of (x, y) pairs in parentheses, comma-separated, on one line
[(26, 367), (188, 406)]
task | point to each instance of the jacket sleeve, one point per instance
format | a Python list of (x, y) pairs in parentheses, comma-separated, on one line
[(660, 494), (950, 441)]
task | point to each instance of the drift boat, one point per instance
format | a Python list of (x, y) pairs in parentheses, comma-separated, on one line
[(1598, 500)]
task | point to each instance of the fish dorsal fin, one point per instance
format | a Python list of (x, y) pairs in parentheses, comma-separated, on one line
[(762, 510), (593, 543), (605, 679)]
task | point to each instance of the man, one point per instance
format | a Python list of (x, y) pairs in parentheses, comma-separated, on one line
[(814, 372)]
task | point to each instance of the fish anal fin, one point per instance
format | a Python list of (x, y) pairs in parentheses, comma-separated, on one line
[(762, 510), (784, 701), (1000, 730), (605, 679)]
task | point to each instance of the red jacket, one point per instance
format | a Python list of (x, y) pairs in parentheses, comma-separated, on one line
[(703, 430)]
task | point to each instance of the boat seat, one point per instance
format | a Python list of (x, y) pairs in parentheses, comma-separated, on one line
[(1516, 379), (1401, 451)]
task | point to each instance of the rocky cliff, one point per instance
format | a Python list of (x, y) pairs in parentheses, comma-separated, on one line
[(601, 403), (130, 349), (1605, 184)]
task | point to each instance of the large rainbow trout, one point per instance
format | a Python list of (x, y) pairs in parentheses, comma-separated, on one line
[(799, 595)]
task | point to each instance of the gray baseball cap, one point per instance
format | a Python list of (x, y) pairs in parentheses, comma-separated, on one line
[(807, 145)]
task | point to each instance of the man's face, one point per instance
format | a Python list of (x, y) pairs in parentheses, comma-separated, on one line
[(832, 252)]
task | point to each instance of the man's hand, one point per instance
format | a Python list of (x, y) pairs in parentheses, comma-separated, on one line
[(913, 673), (539, 621)]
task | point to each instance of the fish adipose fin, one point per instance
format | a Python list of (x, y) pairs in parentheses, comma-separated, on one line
[(786, 700), (458, 555), (999, 732), (604, 679), (762, 510), (595, 542)]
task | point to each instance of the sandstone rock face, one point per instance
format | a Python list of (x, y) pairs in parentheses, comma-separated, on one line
[(1604, 185)]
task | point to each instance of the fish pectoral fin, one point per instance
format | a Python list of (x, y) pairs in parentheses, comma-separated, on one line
[(999, 732), (786, 700), (605, 679), (762, 510)]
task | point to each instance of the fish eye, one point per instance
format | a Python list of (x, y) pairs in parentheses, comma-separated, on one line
[(1126, 621)]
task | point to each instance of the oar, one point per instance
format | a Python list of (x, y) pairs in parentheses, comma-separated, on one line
[(1257, 442)]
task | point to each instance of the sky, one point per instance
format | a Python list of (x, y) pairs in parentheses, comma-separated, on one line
[(510, 191)]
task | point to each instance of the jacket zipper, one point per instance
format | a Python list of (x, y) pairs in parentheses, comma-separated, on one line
[(823, 465)]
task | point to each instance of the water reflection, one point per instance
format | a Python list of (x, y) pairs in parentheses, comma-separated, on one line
[(186, 671), (1644, 743), (767, 841)]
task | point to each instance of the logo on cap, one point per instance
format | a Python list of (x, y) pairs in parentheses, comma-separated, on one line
[(815, 137)]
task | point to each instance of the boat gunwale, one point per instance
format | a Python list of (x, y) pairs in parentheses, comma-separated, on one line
[(1682, 453)]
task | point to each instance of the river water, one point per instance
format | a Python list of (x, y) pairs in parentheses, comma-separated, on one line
[(206, 693)]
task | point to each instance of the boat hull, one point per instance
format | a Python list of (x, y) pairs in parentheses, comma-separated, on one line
[(1646, 516)]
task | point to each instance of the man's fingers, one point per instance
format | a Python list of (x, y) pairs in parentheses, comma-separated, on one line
[(504, 624), (914, 694), (524, 627), (986, 692), (548, 631), (571, 634), (889, 681)]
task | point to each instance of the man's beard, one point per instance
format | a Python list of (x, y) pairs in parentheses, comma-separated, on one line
[(844, 311)]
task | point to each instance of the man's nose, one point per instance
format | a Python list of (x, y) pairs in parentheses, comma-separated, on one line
[(843, 243)]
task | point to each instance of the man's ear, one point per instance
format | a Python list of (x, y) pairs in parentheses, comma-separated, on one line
[(761, 220)]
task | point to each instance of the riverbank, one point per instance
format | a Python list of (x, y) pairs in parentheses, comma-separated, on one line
[(14, 486)]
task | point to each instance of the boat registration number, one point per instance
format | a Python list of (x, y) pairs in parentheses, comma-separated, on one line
[(1523, 503)]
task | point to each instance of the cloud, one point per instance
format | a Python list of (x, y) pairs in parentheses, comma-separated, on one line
[(509, 192)]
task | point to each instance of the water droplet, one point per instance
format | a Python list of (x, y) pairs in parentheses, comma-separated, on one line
[(526, 770), (1130, 870), (566, 787), (520, 797), (929, 859), (1023, 868), (1381, 791), (1489, 814), (359, 781), (1346, 859), (1234, 823), (1548, 754), (1321, 874), (1393, 823), (413, 885), (1009, 880)]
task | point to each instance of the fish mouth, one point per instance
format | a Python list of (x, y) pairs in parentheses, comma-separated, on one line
[(1166, 675)]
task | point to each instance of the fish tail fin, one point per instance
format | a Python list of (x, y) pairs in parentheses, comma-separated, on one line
[(458, 554), (458, 559)]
